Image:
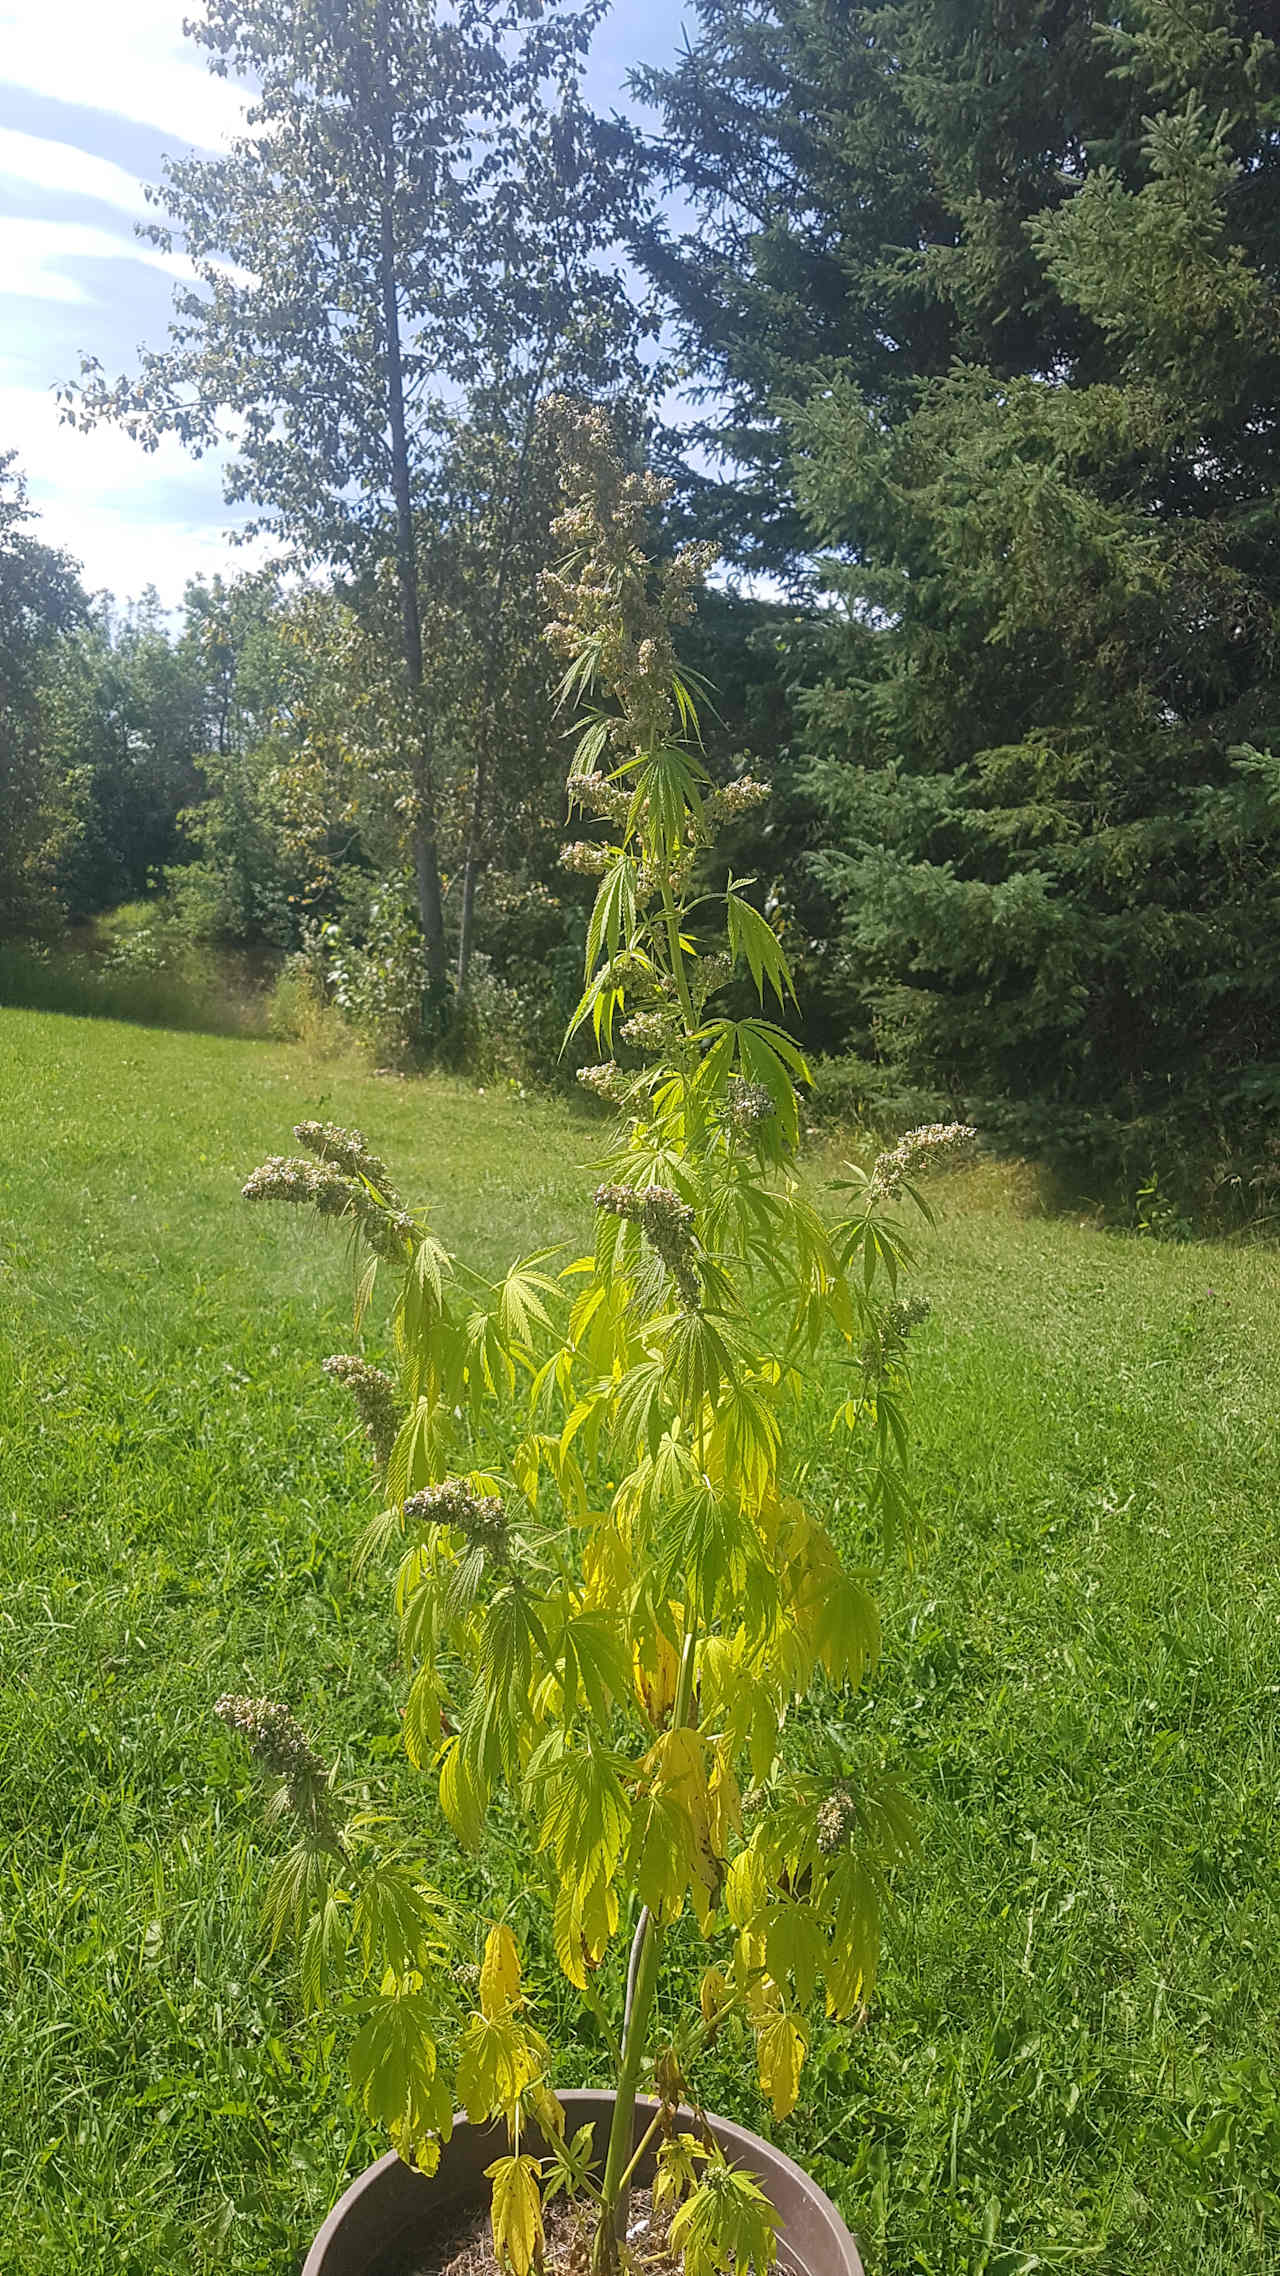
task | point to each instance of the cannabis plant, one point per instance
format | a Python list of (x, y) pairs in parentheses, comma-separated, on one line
[(615, 1576)]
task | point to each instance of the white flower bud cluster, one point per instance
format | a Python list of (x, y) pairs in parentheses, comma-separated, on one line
[(882, 1349), (273, 1732), (585, 858), (611, 600), (619, 1201), (837, 1816), (749, 1105), (278, 1741), (607, 1081), (481, 1517), (348, 1151), (667, 1224), (650, 1030), (734, 799), (916, 1154), (906, 1313), (710, 974), (636, 974), (600, 796), (317, 1184), (375, 1397), (291, 1178)]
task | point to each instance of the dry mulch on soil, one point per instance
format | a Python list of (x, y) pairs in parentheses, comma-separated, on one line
[(462, 2242)]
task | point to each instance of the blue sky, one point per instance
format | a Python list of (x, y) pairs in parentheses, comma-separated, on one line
[(92, 97)]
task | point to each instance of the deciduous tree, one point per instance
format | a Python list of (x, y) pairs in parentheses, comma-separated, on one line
[(416, 221), (40, 600)]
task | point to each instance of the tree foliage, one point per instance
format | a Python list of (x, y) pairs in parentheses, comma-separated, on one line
[(40, 602), (240, 876), (1032, 423), (123, 723), (413, 232)]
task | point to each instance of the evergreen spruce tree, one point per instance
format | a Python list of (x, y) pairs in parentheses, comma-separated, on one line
[(1034, 429)]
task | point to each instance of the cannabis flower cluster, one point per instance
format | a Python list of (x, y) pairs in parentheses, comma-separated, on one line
[(277, 1739), (883, 1349), (347, 1150), (598, 795), (480, 1517), (919, 1151), (667, 1224), (337, 1184), (607, 1081), (736, 798), (607, 597), (837, 1816), (375, 1397), (749, 1104), (584, 858), (650, 1030)]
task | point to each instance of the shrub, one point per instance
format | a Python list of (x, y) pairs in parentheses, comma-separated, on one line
[(299, 1011), (148, 983), (376, 977), (842, 1090)]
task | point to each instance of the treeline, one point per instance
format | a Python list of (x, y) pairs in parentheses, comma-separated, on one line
[(974, 314), (121, 737)]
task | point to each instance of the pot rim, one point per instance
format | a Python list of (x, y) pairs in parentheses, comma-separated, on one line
[(745, 2147)]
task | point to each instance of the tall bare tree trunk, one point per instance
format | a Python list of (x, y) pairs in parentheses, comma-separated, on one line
[(466, 920), (426, 860), (484, 753), (475, 825), (480, 785)]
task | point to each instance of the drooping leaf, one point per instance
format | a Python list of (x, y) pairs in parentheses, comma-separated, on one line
[(498, 2057), (516, 2212), (780, 2052), (462, 1798), (499, 1973), (794, 1946), (753, 937), (394, 2069)]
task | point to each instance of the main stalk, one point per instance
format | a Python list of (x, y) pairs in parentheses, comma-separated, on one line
[(642, 1983)]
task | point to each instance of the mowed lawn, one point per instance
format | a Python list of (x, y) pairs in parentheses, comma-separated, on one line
[(1073, 2056)]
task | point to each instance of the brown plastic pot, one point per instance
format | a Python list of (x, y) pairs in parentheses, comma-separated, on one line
[(389, 2209)]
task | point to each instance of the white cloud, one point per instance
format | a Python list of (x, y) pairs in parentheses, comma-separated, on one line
[(122, 554), (33, 254), (59, 166), (131, 517), (131, 59), (65, 460)]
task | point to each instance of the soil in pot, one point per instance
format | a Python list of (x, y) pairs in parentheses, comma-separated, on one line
[(462, 2243)]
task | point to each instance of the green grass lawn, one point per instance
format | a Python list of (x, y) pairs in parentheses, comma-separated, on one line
[(1072, 2057)]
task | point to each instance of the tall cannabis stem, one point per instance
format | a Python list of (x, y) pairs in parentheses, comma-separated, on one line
[(642, 1983), (671, 918)]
